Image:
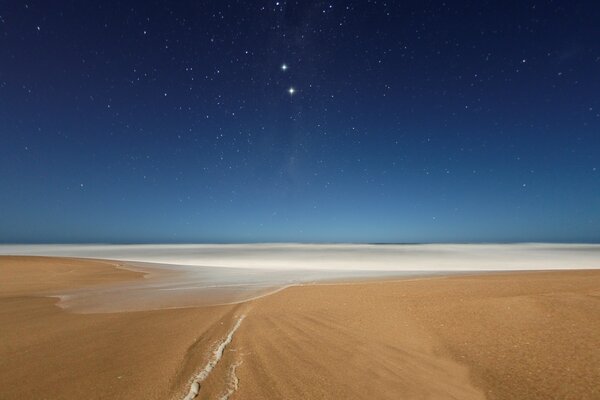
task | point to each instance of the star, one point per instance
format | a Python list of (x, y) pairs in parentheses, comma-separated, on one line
[(291, 91), (284, 67)]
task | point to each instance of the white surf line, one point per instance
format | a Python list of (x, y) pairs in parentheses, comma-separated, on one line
[(216, 356), (234, 382), (358, 282), (279, 289), (234, 285)]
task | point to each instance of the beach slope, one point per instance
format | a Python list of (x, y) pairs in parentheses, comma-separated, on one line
[(503, 336)]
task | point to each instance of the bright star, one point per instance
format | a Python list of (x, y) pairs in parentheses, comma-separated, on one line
[(283, 67), (291, 91)]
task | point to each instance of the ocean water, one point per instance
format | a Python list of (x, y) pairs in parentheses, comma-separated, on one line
[(197, 275)]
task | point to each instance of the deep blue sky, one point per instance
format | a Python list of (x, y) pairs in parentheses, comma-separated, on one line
[(148, 121)]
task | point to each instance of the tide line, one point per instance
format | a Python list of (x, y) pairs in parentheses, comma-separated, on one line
[(212, 362)]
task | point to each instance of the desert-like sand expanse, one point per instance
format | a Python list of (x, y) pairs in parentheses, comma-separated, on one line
[(531, 335)]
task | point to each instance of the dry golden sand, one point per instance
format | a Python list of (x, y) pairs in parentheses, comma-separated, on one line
[(47, 353), (502, 336)]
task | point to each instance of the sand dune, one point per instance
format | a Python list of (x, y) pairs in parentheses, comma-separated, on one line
[(527, 335)]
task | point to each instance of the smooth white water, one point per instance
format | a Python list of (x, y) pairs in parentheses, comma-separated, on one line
[(354, 257), (195, 275)]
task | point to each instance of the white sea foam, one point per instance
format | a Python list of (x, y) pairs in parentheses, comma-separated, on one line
[(234, 382), (346, 257), (212, 362)]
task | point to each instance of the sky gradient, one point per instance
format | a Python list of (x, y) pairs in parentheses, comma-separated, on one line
[(146, 121)]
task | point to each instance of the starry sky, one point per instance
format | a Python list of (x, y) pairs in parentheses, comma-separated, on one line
[(309, 121)]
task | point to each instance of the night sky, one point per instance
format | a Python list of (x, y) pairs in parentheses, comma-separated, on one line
[(356, 121)]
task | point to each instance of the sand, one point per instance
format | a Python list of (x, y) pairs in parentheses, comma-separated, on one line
[(505, 336), (531, 335), (48, 353)]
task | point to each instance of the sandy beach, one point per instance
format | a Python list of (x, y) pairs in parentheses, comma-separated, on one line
[(299, 200), (504, 336), (46, 352), (497, 335)]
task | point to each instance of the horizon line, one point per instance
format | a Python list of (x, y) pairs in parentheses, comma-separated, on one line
[(291, 242)]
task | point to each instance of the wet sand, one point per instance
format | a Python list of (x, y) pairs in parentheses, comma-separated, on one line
[(528, 335)]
